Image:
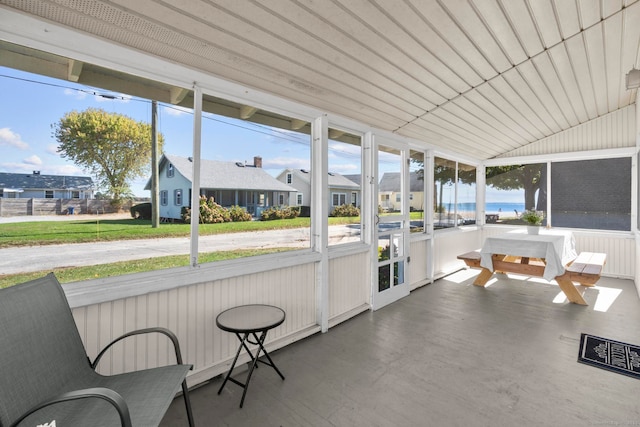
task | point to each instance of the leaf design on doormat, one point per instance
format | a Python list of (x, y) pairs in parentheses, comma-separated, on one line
[(635, 359), (601, 350)]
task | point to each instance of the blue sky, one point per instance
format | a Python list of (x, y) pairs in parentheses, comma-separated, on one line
[(28, 109), (32, 103)]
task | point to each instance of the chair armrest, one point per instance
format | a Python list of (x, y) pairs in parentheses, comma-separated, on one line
[(97, 392), (163, 331)]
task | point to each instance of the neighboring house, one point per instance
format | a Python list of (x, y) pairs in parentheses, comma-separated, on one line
[(389, 191), (37, 186), (342, 191), (229, 183)]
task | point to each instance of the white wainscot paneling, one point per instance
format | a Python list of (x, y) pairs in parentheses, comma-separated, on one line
[(349, 285), (448, 244), (190, 312), (620, 250), (420, 266)]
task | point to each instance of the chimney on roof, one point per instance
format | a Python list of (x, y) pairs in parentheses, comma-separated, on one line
[(257, 161)]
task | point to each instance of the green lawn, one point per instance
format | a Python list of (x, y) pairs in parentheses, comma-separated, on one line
[(55, 232), (58, 232), (76, 274)]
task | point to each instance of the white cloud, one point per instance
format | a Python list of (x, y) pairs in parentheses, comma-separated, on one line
[(47, 170), (12, 139), (52, 149), (33, 160), (176, 111), (286, 163)]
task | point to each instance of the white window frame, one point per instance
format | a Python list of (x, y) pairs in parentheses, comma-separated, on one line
[(177, 197), (289, 178), (299, 199), (341, 196)]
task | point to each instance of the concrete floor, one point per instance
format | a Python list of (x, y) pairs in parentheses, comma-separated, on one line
[(450, 354)]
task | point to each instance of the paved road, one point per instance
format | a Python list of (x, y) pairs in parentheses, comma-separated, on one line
[(47, 257)]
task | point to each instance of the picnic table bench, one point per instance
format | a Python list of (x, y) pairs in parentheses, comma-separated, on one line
[(586, 269)]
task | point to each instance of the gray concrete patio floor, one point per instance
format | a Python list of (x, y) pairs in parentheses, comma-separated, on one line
[(450, 354)]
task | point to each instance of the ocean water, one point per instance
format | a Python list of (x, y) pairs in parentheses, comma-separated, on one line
[(494, 208)]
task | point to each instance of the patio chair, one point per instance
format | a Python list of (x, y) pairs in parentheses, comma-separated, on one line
[(46, 376)]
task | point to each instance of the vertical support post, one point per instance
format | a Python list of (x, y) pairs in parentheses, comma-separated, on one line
[(481, 187), (195, 183), (369, 209), (429, 209), (320, 215), (155, 190)]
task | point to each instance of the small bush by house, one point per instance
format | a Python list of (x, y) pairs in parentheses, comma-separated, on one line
[(345, 210), (239, 214), (285, 212), (210, 212)]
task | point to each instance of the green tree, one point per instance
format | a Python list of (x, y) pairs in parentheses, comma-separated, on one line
[(113, 147), (517, 177)]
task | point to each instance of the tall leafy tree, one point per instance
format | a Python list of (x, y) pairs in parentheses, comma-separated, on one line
[(530, 178), (113, 147)]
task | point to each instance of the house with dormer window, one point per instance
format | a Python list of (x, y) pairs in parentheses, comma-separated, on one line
[(229, 183)]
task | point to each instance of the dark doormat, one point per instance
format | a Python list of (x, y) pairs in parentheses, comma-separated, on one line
[(612, 355)]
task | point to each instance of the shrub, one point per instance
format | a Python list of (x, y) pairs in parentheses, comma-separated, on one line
[(345, 210), (210, 212), (285, 212), (239, 214), (141, 211)]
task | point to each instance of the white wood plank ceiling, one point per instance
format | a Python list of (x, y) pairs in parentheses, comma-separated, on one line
[(481, 77)]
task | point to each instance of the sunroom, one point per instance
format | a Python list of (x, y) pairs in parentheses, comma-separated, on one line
[(483, 99)]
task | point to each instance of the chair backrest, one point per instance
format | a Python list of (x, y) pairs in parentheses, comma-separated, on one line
[(41, 353)]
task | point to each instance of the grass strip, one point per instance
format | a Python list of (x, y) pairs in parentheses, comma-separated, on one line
[(75, 274), (96, 230)]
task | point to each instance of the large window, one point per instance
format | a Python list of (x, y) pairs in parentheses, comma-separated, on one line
[(512, 189), (248, 148), (251, 169), (466, 193), (590, 194), (454, 193), (345, 169), (417, 197)]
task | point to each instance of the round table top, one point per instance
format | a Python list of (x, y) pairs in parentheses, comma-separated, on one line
[(250, 318)]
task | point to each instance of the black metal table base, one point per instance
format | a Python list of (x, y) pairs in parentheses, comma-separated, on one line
[(254, 360)]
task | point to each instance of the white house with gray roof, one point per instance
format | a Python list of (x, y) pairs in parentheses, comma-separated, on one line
[(342, 191), (229, 183), (38, 186)]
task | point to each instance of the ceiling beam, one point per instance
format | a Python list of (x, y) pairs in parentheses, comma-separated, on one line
[(74, 69), (246, 112)]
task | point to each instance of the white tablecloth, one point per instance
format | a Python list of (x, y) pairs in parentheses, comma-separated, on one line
[(556, 247)]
